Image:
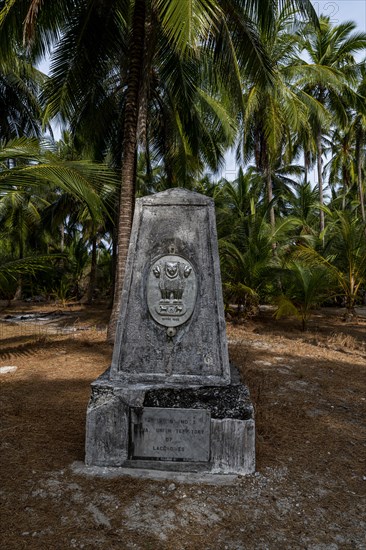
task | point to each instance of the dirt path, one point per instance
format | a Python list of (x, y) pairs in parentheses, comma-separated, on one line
[(310, 487)]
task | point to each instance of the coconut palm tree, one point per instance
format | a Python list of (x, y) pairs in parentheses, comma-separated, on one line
[(40, 186), (240, 200), (303, 204), (341, 168), (359, 128), (34, 164), (246, 241), (227, 28), (331, 75), (20, 109), (346, 254), (303, 288), (11, 271), (275, 115)]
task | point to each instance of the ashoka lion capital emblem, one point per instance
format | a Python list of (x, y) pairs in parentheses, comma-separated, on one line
[(171, 290)]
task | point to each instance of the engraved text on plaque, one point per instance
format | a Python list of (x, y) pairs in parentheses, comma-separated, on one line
[(170, 434)]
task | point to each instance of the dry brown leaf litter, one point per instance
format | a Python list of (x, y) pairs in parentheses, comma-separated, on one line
[(310, 487)]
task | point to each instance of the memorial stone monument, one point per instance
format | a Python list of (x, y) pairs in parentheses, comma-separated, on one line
[(169, 400)]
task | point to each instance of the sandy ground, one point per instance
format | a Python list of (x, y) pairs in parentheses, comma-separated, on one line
[(309, 490)]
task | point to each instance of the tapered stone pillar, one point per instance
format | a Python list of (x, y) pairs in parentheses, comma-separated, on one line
[(161, 405)]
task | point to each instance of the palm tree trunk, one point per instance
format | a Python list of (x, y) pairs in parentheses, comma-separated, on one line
[(272, 218), (142, 130), (320, 177), (344, 189), (264, 164), (114, 257), (19, 289), (129, 146), (62, 236), (359, 178), (306, 165), (93, 271)]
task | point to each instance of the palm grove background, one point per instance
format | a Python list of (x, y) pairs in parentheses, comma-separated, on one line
[(151, 95)]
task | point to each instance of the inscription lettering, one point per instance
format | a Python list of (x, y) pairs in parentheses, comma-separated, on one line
[(165, 448), (170, 434)]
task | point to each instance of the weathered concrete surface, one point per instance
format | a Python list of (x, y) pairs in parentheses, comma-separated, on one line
[(174, 247), (192, 476), (170, 358), (232, 446), (109, 428)]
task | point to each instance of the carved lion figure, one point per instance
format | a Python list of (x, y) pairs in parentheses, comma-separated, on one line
[(172, 277)]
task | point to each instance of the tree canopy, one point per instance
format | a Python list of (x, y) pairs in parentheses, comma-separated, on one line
[(153, 94)]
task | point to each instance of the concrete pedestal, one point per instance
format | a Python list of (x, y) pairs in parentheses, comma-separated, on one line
[(229, 434)]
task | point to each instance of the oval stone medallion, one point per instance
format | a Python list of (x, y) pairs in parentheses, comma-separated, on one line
[(171, 290)]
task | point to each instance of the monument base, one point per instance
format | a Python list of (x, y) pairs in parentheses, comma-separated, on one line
[(192, 429)]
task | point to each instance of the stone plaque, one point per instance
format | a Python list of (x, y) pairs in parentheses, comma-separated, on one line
[(170, 434), (171, 290)]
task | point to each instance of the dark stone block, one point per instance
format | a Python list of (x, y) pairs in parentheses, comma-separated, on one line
[(222, 401)]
